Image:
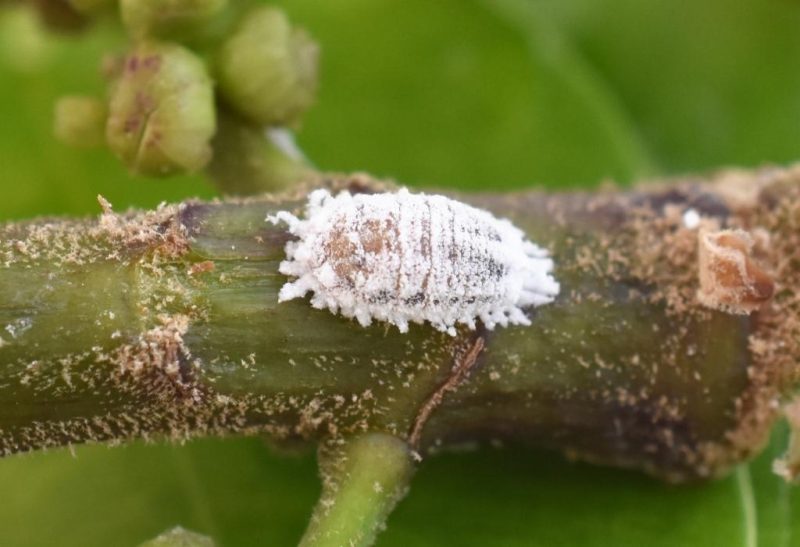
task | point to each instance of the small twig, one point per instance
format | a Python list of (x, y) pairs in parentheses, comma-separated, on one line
[(363, 479)]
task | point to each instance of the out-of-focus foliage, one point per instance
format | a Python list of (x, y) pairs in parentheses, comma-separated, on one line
[(483, 94), (179, 537)]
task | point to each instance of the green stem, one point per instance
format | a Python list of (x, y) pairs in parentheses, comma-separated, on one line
[(178, 537), (250, 159), (167, 323), (363, 479)]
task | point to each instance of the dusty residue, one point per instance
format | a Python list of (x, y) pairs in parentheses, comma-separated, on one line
[(160, 347), (121, 237)]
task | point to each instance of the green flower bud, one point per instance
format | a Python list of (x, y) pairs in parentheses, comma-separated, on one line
[(267, 70), (80, 121), (161, 113), (166, 17)]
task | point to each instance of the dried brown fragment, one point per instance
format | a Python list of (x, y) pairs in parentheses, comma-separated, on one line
[(201, 267), (730, 280)]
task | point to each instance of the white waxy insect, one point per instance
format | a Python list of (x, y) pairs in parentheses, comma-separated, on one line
[(402, 257)]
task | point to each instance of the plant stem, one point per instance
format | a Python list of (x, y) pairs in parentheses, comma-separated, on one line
[(178, 537), (363, 479), (250, 159), (167, 323)]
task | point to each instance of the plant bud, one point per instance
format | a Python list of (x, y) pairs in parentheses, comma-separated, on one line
[(165, 17), (80, 121), (161, 114), (267, 70)]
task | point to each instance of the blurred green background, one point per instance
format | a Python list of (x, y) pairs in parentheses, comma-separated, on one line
[(496, 94)]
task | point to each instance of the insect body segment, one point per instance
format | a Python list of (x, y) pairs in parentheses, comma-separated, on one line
[(402, 257)]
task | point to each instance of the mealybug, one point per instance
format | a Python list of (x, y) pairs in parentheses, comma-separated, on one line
[(402, 257)]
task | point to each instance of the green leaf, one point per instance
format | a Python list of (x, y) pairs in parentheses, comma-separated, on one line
[(450, 94), (235, 491), (480, 94)]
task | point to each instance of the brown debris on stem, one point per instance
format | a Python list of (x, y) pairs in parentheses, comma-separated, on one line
[(730, 281), (788, 466)]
